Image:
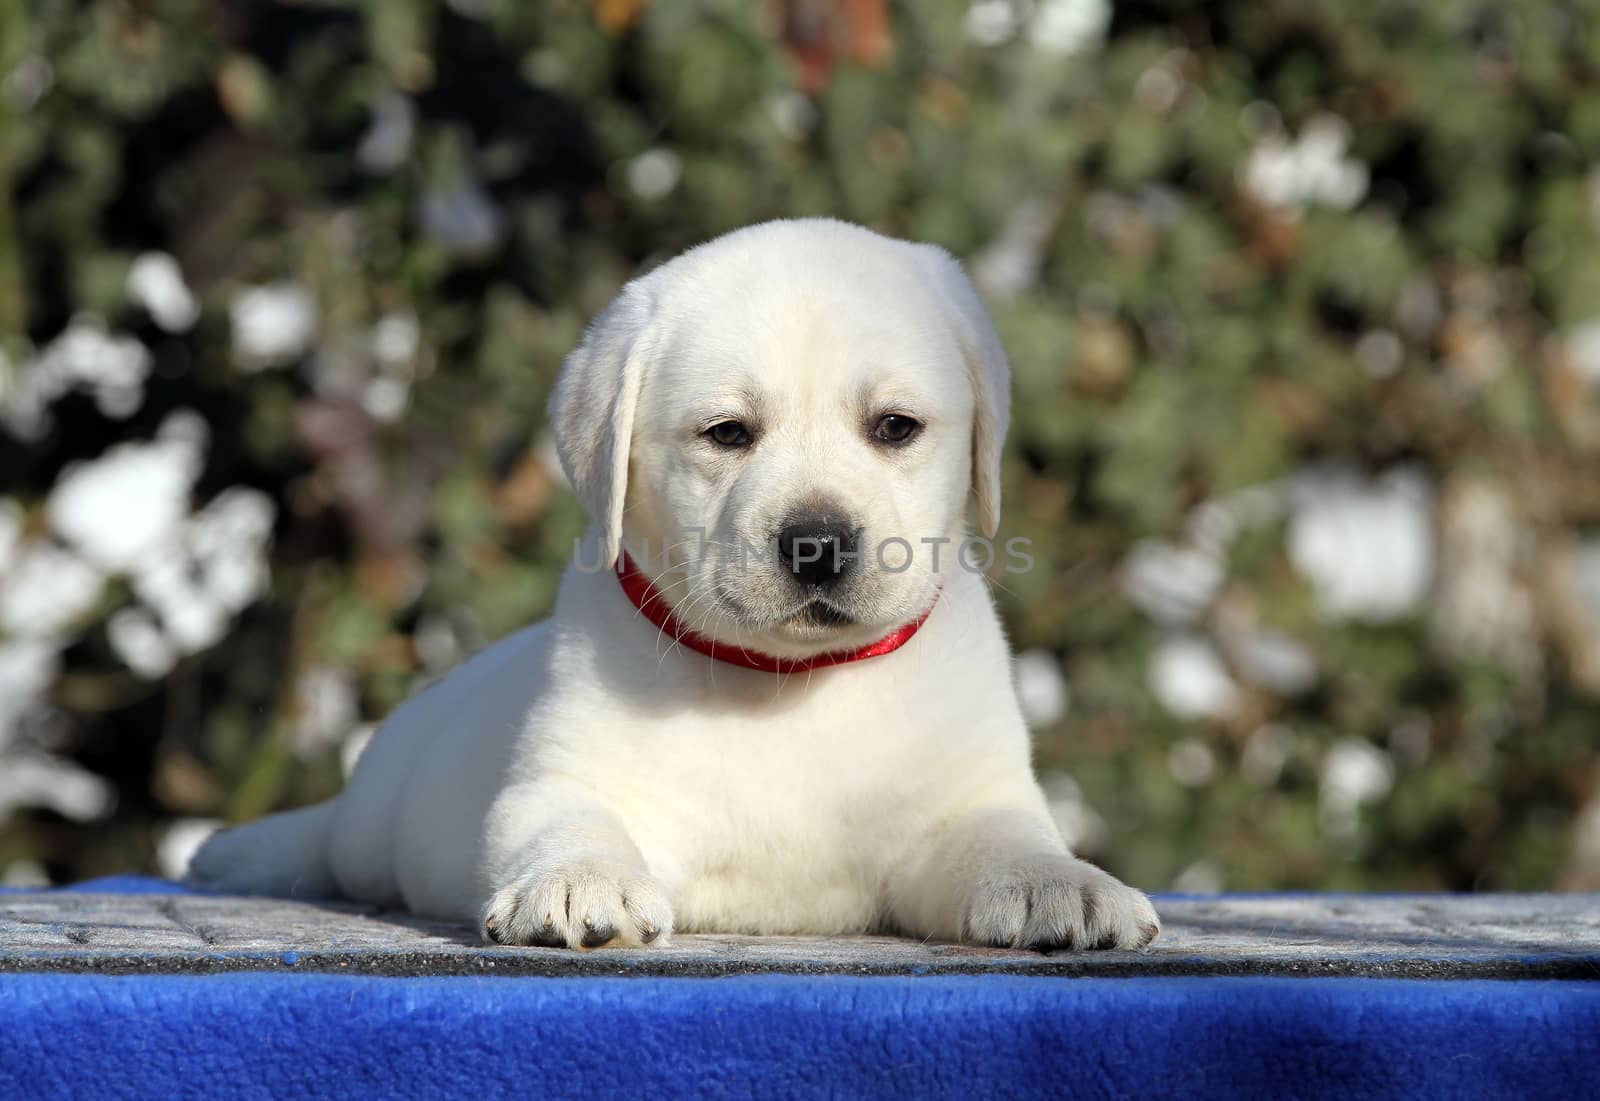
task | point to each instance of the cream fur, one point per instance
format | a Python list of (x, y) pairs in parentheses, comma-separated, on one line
[(586, 781)]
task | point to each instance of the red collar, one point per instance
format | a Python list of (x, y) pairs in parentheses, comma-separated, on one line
[(649, 600)]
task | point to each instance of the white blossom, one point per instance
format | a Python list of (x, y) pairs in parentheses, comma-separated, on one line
[(1577, 580), (139, 641), (792, 113), (1171, 584), (47, 590), (180, 841), (654, 173), (272, 324), (1313, 170), (1070, 26), (436, 643), (1192, 763), (1009, 265), (387, 143), (992, 22), (395, 339), (1583, 350), (190, 615), (1161, 86), (1366, 547), (227, 540), (27, 669), (1213, 524), (85, 356), (155, 282), (128, 513), (24, 875), (126, 506), (1483, 608), (325, 710), (217, 567), (1041, 687), (1188, 678), (1354, 774), (386, 398), (38, 780), (10, 532), (462, 219), (1273, 660)]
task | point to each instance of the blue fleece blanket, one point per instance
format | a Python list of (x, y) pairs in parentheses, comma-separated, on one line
[(291, 1035)]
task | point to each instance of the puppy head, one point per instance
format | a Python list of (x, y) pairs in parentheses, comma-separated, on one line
[(781, 426)]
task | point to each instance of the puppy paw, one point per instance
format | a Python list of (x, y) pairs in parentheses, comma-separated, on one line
[(580, 906), (1057, 902)]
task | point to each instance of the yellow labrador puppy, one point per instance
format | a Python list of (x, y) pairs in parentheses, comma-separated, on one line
[(774, 696)]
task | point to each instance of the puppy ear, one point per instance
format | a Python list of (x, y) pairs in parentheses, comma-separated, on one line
[(593, 406), (989, 371)]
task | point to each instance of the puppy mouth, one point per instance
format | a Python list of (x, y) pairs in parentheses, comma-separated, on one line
[(819, 613), (815, 613)]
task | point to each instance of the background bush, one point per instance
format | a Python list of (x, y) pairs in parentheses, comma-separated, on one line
[(1303, 302)]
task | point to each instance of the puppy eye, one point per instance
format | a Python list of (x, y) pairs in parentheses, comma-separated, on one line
[(728, 434), (896, 428)]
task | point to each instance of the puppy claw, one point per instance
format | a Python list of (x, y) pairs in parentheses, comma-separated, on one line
[(1058, 902), (546, 936), (596, 935), (579, 906)]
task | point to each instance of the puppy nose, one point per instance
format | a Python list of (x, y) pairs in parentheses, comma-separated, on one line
[(817, 552)]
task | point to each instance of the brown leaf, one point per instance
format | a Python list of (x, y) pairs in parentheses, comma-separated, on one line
[(526, 492), (616, 16), (185, 785)]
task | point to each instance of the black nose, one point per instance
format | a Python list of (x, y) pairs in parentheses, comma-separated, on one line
[(817, 552)]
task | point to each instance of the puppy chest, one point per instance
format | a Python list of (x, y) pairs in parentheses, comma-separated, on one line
[(758, 854), (771, 877)]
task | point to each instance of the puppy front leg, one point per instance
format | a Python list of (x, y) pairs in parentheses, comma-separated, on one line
[(569, 876), (1003, 877)]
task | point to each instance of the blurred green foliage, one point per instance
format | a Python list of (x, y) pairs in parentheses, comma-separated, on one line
[(1254, 263)]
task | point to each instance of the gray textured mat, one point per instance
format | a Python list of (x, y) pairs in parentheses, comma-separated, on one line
[(1510, 936)]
